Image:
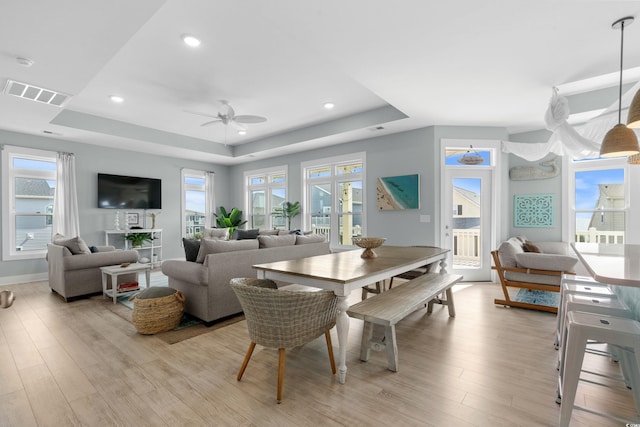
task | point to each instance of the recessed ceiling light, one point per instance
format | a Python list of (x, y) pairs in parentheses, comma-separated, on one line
[(117, 99), (190, 40), (242, 132), (329, 105)]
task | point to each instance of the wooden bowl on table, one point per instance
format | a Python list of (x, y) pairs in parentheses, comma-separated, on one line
[(368, 243)]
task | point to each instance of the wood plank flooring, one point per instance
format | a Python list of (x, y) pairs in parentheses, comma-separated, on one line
[(78, 364)]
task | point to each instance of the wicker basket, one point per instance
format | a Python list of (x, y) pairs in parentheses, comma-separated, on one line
[(154, 315)]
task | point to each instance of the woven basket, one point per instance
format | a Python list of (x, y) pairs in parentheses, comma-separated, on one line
[(154, 315)]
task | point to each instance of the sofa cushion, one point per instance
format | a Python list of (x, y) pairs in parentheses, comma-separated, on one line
[(76, 245), (245, 234), (215, 233), (311, 238), (216, 246), (268, 232), (553, 262), (191, 249), (276, 241), (508, 250)]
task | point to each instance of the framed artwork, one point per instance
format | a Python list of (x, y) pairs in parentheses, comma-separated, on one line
[(533, 210), (398, 192), (132, 218)]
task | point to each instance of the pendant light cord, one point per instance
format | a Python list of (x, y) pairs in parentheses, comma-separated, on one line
[(620, 85)]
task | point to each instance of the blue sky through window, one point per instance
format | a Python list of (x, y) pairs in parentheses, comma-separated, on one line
[(587, 190)]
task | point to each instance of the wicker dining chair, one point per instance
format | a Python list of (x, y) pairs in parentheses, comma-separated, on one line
[(282, 319)]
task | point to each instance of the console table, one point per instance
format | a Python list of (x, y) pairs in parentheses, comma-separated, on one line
[(152, 250)]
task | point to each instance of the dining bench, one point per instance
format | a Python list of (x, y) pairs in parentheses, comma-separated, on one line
[(388, 308)]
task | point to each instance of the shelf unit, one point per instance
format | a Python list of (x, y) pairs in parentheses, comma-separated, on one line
[(148, 250)]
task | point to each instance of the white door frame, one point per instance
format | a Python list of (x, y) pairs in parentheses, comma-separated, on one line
[(490, 222)]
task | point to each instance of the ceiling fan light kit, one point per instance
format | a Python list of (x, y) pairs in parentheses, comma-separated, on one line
[(620, 141)]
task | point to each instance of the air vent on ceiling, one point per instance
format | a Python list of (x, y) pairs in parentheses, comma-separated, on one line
[(35, 93)]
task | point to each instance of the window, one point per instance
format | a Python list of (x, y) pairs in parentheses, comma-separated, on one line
[(265, 191), (28, 189), (600, 197), (196, 204), (334, 197)]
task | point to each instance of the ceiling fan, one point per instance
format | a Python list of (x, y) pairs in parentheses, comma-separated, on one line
[(229, 117)]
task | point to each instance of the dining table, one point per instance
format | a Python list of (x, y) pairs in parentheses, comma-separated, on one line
[(346, 271), (615, 264)]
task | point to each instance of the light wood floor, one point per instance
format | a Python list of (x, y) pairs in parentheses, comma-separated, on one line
[(80, 364)]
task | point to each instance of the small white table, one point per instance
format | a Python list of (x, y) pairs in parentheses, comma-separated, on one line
[(116, 270)]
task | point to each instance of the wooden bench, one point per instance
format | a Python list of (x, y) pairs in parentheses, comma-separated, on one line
[(388, 308)]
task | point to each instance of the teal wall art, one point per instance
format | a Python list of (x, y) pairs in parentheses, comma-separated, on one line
[(533, 210)]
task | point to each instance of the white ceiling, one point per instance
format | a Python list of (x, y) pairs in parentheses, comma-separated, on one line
[(401, 65)]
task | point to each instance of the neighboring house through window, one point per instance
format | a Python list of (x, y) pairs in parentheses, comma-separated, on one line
[(197, 212), (600, 200), (28, 189), (265, 191), (334, 197)]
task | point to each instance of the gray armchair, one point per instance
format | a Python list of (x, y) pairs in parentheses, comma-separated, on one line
[(281, 319), (72, 276)]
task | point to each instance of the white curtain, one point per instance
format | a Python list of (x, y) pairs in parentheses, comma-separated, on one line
[(578, 142), (65, 202), (210, 199)]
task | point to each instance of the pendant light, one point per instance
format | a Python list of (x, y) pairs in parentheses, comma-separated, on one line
[(620, 140)]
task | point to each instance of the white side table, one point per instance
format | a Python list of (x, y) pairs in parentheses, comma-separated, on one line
[(116, 270)]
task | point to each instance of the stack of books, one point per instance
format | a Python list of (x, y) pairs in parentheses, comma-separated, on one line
[(128, 286)]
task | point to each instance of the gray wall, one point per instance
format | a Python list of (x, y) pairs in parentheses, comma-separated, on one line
[(404, 153), (92, 159)]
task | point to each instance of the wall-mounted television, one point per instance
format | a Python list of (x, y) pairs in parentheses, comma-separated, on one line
[(129, 192)]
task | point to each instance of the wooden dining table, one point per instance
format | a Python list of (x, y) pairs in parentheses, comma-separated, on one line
[(344, 272), (615, 264)]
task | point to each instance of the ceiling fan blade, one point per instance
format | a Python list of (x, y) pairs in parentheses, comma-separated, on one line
[(200, 114), (250, 119), (211, 122), (230, 112)]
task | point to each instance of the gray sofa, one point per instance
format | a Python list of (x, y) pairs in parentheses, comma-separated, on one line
[(205, 285), (74, 275)]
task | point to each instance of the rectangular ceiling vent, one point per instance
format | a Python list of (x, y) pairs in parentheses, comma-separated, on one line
[(35, 93)]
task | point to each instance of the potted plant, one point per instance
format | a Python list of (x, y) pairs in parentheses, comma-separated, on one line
[(137, 239), (231, 220), (288, 211)]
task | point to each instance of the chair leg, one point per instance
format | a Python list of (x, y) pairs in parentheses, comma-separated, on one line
[(281, 359), (245, 362), (327, 335)]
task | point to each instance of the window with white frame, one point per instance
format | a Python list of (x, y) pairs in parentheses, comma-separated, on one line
[(196, 211), (334, 202), (28, 189), (265, 191), (600, 200)]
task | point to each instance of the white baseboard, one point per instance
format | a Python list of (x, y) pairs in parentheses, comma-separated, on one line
[(25, 278)]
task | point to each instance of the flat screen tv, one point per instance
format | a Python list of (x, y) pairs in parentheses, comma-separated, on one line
[(129, 192)]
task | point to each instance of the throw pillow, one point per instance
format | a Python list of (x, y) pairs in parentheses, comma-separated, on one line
[(311, 238), (191, 248), (246, 234), (75, 245), (530, 247), (216, 246), (94, 250), (276, 241), (215, 233)]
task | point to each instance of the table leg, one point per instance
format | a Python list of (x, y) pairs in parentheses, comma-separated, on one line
[(114, 287), (104, 284), (342, 327), (147, 275)]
